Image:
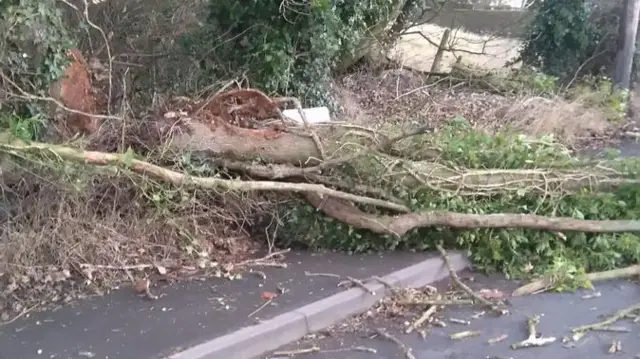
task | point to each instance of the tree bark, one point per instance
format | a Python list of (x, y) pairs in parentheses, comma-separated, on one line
[(627, 44), (363, 48), (400, 225)]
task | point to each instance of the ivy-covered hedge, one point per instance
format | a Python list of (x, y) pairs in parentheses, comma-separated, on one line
[(566, 36), (33, 49), (286, 47)]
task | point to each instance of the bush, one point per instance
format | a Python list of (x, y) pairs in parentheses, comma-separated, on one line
[(285, 47), (32, 55), (570, 36)]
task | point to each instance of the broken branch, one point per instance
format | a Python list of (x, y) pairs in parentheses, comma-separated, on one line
[(405, 348), (459, 283), (533, 340), (621, 314), (179, 179), (401, 224), (545, 283)]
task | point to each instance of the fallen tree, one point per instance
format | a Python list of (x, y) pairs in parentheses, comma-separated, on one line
[(357, 176), (336, 204), (192, 181)]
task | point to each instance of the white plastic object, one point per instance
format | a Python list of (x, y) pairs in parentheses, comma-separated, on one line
[(313, 114)]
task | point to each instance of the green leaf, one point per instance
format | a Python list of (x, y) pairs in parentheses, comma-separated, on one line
[(128, 157)]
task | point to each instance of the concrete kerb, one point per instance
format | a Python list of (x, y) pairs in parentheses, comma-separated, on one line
[(254, 341)]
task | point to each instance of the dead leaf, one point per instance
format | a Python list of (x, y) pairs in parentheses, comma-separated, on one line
[(268, 295), (141, 286)]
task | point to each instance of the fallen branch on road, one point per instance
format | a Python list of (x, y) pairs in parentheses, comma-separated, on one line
[(621, 314), (423, 318), (546, 283), (496, 307), (405, 348), (533, 340), (400, 225), (330, 201), (124, 161)]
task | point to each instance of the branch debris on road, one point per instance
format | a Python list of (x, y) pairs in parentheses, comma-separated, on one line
[(465, 334), (546, 283), (348, 282), (497, 308), (405, 348), (533, 340), (629, 312)]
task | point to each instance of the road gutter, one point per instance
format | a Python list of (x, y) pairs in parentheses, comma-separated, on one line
[(256, 340)]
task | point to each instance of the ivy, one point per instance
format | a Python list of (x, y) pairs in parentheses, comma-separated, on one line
[(284, 47), (561, 37), (33, 55)]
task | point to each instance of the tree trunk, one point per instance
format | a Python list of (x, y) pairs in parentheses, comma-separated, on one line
[(627, 44), (362, 49)]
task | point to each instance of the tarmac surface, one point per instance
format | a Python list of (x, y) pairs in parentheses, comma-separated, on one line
[(124, 325), (559, 313)]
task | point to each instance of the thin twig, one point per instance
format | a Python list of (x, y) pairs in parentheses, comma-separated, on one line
[(291, 353), (463, 286), (405, 348), (112, 267), (388, 285), (260, 308), (356, 282), (269, 256), (311, 274), (20, 315), (441, 302), (27, 96), (533, 340), (423, 318), (106, 42), (621, 314)]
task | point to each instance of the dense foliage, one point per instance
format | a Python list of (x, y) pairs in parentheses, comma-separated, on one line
[(32, 56), (559, 37), (517, 252), (567, 36), (286, 47)]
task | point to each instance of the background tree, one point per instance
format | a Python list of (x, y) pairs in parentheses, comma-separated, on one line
[(626, 44)]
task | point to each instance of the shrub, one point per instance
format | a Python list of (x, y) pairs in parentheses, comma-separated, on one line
[(286, 47), (32, 56)]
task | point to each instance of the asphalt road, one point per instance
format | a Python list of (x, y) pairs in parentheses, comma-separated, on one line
[(559, 313), (122, 325)]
